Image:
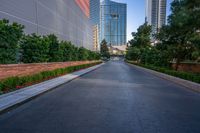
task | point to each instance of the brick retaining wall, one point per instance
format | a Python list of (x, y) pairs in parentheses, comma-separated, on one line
[(29, 69), (188, 67)]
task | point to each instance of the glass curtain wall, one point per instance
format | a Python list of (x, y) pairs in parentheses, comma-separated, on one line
[(113, 22)]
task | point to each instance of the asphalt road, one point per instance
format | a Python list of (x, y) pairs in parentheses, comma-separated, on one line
[(116, 98)]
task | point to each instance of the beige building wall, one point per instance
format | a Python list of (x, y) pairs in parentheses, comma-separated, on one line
[(96, 46)]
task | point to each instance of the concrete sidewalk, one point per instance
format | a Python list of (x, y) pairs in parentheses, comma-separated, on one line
[(17, 97)]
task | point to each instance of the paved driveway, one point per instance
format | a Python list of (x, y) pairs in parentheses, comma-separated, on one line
[(116, 98)]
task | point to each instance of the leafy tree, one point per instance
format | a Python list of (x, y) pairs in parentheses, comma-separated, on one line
[(141, 38), (133, 53), (35, 49), (142, 51), (104, 49), (10, 35), (179, 40), (193, 9), (179, 32), (153, 56)]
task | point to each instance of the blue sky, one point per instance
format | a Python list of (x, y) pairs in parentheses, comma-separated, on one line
[(136, 14)]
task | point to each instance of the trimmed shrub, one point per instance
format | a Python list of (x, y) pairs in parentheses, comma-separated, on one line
[(83, 54), (55, 51), (67, 50), (10, 34), (16, 47), (35, 49)]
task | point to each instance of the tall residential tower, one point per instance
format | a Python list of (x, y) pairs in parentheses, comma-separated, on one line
[(95, 20), (156, 14), (113, 22)]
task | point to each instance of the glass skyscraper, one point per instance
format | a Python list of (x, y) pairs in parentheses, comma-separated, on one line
[(113, 18), (95, 12)]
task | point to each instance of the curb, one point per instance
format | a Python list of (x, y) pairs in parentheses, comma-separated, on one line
[(18, 97), (188, 84)]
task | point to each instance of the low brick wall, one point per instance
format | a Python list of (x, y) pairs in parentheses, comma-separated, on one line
[(187, 67), (33, 68)]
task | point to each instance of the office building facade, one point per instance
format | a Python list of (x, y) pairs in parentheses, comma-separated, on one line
[(95, 12), (156, 14), (68, 19), (95, 20), (113, 19)]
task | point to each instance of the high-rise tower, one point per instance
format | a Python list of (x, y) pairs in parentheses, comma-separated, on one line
[(113, 22), (95, 12), (156, 14), (95, 20)]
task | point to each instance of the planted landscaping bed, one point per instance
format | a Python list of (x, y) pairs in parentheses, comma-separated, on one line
[(13, 70), (194, 77), (14, 83)]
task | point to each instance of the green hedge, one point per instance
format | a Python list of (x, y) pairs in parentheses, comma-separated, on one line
[(13, 83), (17, 47), (184, 75), (35, 49), (10, 35)]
